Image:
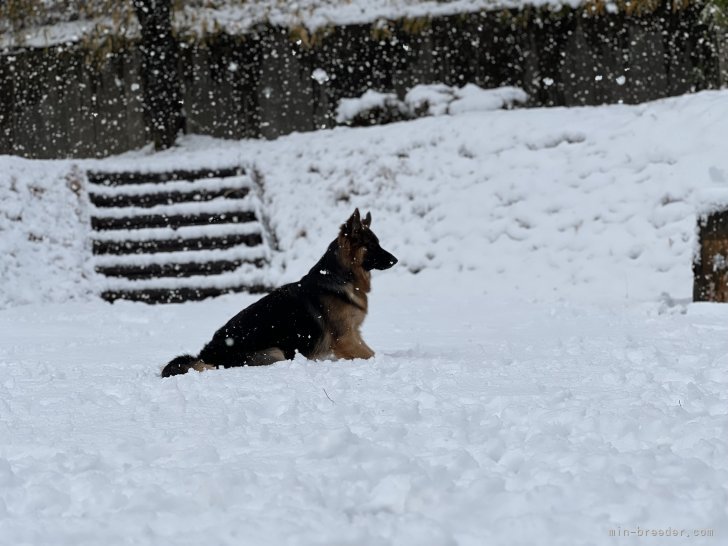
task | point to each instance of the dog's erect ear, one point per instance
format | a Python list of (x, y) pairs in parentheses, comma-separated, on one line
[(353, 225), (355, 218), (367, 220)]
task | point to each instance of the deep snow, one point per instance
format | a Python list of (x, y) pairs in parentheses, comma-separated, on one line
[(480, 421), (542, 379)]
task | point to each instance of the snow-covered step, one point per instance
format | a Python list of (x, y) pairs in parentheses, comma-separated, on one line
[(149, 194), (215, 211), (186, 269), (189, 232), (179, 295), (153, 240), (106, 178), (181, 263), (221, 281), (186, 187), (256, 254), (174, 245), (246, 278), (178, 244), (176, 236)]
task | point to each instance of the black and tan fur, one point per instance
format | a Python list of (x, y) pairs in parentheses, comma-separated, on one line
[(319, 316)]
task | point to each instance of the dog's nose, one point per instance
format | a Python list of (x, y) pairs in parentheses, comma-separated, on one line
[(384, 259)]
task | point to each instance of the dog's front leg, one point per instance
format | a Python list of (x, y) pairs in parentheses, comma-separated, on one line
[(351, 347)]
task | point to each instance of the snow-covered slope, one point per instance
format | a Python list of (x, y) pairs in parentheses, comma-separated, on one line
[(44, 232), (542, 379), (586, 203)]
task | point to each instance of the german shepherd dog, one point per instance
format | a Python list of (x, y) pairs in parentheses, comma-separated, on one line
[(318, 316)]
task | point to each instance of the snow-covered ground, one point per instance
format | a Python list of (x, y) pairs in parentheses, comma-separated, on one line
[(541, 376)]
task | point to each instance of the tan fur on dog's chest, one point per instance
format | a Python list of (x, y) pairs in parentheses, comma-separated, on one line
[(342, 323)]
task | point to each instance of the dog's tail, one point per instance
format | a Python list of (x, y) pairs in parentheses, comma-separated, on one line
[(183, 364)]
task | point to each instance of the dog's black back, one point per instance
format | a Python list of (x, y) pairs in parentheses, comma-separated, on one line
[(318, 316), (284, 319)]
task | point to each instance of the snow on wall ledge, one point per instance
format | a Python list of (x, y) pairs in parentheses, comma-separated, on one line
[(44, 245), (240, 18), (318, 14)]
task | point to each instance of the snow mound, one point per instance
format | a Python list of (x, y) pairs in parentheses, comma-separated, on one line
[(348, 109), (437, 99), (44, 240)]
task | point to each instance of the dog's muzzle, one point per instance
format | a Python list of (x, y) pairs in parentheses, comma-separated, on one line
[(381, 259)]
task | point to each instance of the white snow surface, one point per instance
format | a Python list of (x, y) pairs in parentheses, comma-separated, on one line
[(542, 379), (348, 109), (439, 99), (44, 239), (433, 100)]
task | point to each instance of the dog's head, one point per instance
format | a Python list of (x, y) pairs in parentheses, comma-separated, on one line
[(361, 246)]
